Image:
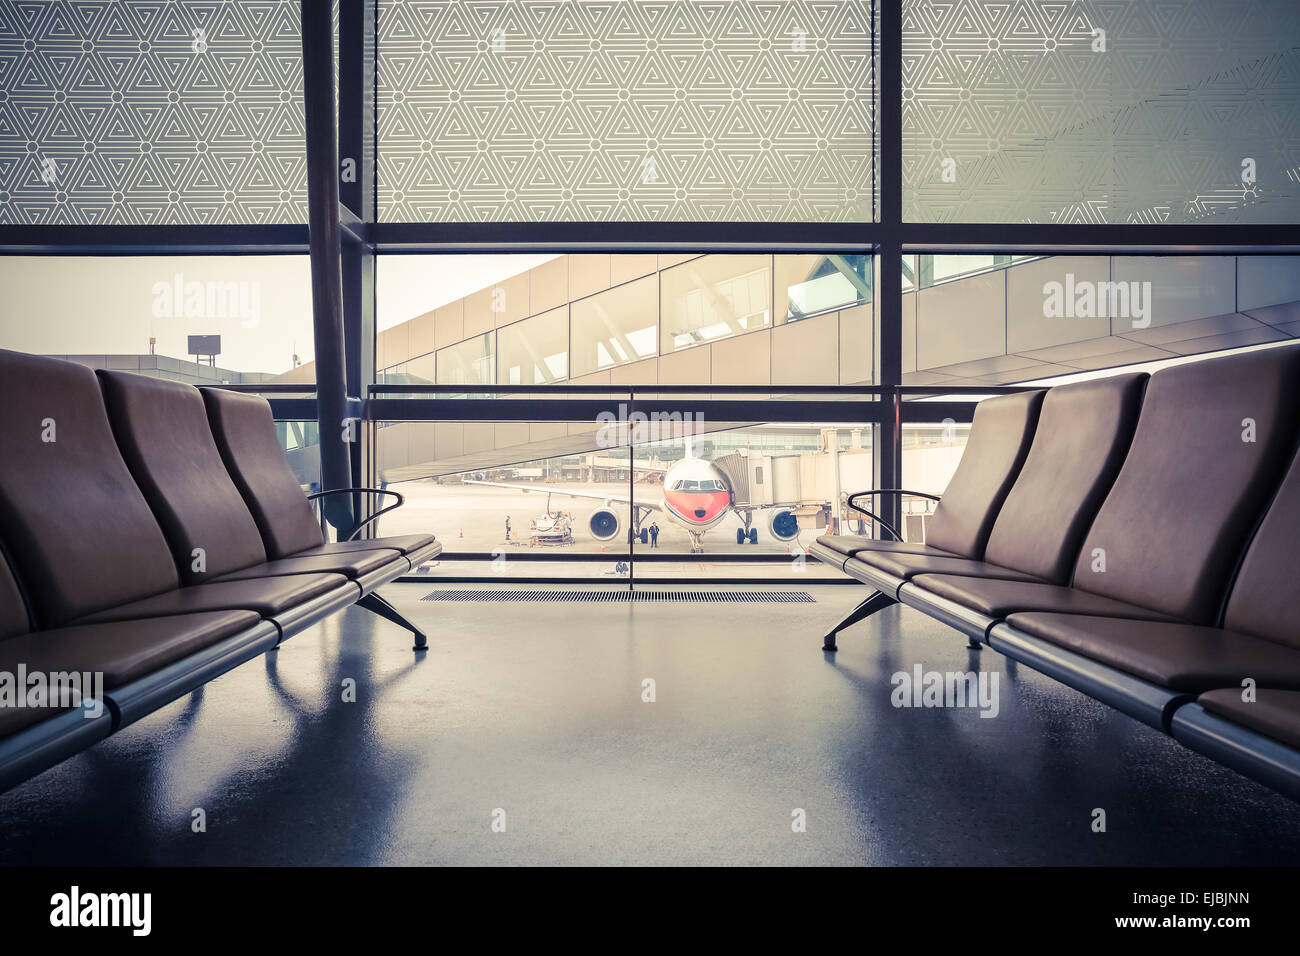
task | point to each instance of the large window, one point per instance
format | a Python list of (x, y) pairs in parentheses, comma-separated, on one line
[(517, 489), (615, 327), (466, 363), (810, 285), (144, 112), (561, 207), (534, 351), (627, 319), (201, 319), (1092, 111), (628, 110), (1042, 317), (714, 297)]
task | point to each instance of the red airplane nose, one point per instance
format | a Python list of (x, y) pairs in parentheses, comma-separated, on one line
[(697, 506)]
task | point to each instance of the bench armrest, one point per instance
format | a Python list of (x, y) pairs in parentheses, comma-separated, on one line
[(401, 500), (885, 491)]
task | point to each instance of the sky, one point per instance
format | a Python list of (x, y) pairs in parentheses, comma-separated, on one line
[(407, 286), (87, 305)]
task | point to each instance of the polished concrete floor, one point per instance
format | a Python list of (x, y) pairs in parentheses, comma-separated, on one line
[(534, 714)]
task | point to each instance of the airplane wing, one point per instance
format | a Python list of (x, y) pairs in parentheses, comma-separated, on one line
[(546, 490)]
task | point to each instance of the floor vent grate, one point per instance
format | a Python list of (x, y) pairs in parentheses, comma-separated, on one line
[(606, 596)]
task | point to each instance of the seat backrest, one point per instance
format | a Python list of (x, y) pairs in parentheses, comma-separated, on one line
[(1001, 430), (245, 434), (1265, 599), (13, 612), (1084, 431), (79, 531), (163, 434), (1212, 441)]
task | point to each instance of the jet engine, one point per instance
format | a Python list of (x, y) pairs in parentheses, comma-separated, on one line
[(783, 524), (603, 524)]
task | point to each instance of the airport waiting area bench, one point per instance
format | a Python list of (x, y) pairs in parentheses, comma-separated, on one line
[(1134, 537), (152, 533)]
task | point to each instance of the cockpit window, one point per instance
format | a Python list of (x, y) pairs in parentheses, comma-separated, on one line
[(688, 484)]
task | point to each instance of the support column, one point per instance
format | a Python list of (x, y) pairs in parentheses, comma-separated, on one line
[(357, 197), (326, 268), (887, 456)]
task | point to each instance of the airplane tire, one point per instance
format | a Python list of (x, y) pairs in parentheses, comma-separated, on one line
[(740, 536), (753, 536), (644, 536)]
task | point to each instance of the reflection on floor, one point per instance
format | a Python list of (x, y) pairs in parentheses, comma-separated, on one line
[(534, 714)]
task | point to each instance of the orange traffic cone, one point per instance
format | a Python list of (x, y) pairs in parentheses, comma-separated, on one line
[(462, 532)]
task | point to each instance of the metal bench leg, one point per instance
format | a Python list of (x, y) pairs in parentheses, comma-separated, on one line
[(878, 601), (373, 602)]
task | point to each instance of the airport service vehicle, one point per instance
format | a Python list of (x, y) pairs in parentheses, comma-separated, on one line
[(551, 528)]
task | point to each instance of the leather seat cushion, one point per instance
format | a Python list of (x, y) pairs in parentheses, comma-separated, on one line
[(907, 566), (405, 543), (123, 651), (1002, 429), (266, 596), (162, 431), (1180, 513), (1083, 434), (1263, 599), (850, 544), (13, 612), (1184, 657), (75, 525), (244, 430), (351, 565), (998, 598), (1274, 713)]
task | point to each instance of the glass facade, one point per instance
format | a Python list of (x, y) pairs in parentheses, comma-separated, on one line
[(466, 363), (634, 319), (201, 319), (142, 112), (630, 110), (583, 488), (534, 351), (1031, 318), (1089, 111), (714, 297), (615, 327), (614, 137)]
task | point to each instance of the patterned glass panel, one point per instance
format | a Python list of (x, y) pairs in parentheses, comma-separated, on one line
[(151, 112), (1101, 111), (623, 110)]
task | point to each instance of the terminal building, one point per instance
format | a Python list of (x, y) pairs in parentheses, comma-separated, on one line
[(638, 433)]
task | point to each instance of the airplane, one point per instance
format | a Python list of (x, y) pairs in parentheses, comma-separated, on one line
[(696, 496)]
